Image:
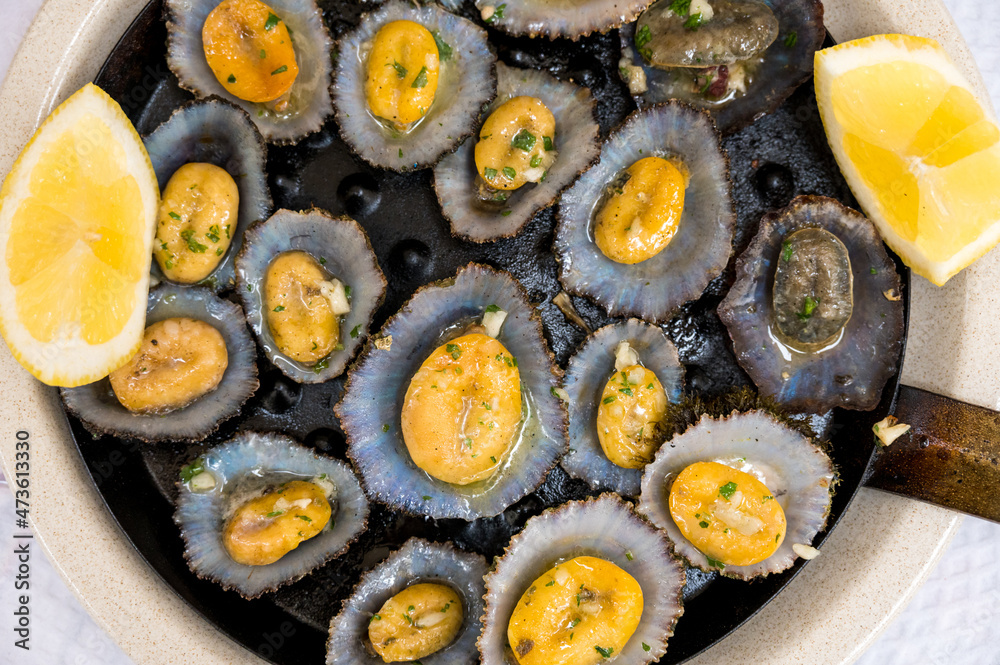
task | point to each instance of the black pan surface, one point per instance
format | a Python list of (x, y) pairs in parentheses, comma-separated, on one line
[(775, 159)]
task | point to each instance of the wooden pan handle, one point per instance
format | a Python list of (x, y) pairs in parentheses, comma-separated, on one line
[(950, 457)]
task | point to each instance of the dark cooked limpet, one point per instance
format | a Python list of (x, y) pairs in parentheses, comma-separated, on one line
[(799, 475), (370, 412), (605, 527), (248, 465), (341, 248), (466, 85), (309, 98), (417, 561), (768, 77), (586, 375), (214, 131), (102, 413), (847, 360), (456, 178), (700, 248)]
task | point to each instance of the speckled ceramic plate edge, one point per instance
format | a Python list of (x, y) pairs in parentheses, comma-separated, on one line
[(827, 616)]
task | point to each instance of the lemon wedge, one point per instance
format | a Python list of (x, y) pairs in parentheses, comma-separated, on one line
[(918, 148), (77, 220)]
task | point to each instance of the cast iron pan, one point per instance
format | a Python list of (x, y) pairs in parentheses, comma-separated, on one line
[(775, 159)]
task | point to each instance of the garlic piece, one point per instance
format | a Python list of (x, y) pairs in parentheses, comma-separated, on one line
[(805, 551), (625, 356), (889, 429), (493, 320)]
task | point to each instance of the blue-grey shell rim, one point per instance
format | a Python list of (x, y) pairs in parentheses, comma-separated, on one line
[(254, 305), (586, 459), (606, 501), (222, 277), (461, 651), (345, 477), (340, 94), (553, 374), (565, 221), (242, 368), (321, 106)]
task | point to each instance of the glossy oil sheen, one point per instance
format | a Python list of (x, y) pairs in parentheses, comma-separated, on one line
[(322, 170)]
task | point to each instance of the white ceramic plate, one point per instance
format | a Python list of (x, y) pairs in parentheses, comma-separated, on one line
[(878, 556)]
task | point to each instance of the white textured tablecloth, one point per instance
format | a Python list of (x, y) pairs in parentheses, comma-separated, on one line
[(953, 620)]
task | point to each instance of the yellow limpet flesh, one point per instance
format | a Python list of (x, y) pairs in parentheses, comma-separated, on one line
[(250, 51), (640, 218), (516, 144), (194, 226), (632, 406), (178, 361), (402, 75), (418, 621), (580, 612), (462, 409), (301, 307), (729, 515), (264, 529)]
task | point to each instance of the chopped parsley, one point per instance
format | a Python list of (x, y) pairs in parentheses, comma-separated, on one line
[(509, 172), (271, 22), (873, 271), (275, 513), (492, 308), (304, 518), (400, 69), (505, 213), (426, 497), (728, 490), (680, 7), (263, 54), (645, 647), (524, 140), (455, 350), (444, 50), (693, 22), (493, 459), (605, 653), (792, 39), (174, 215), (809, 306), (715, 564), (497, 14), (642, 37), (231, 79), (213, 233), (193, 245), (536, 161), (321, 365), (608, 400), (191, 470), (489, 173), (385, 427), (550, 583), (786, 251), (421, 79), (628, 555), (279, 308), (547, 143), (280, 70), (356, 331)]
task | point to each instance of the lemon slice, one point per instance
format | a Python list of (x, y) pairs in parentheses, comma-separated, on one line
[(77, 220), (918, 148)]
